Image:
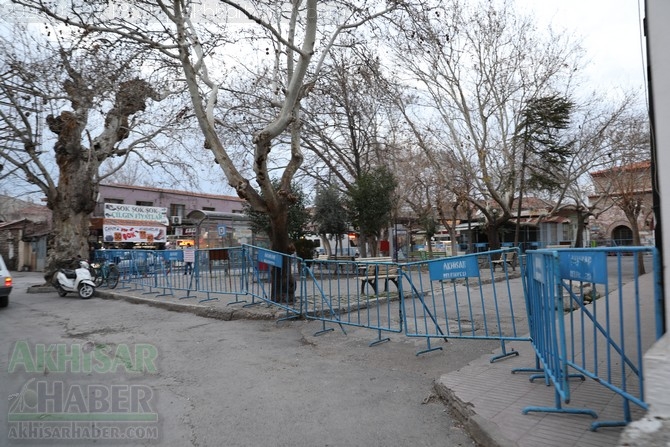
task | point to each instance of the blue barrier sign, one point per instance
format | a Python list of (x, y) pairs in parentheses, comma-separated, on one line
[(221, 230), (584, 266), (270, 257), (453, 268)]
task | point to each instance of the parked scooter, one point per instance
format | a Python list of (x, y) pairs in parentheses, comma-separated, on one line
[(78, 280)]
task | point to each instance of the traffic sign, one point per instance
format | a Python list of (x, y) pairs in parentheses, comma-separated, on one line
[(221, 230)]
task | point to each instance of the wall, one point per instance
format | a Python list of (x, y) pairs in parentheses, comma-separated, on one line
[(657, 360)]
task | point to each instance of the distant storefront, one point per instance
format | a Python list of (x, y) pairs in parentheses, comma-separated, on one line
[(215, 229)]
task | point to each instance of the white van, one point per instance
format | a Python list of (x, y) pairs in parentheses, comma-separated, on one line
[(5, 283)]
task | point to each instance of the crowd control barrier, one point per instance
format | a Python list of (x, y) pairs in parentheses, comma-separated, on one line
[(593, 315), (466, 297), (346, 291), (590, 314), (274, 279)]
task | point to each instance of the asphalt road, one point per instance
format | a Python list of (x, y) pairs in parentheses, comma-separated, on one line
[(210, 382)]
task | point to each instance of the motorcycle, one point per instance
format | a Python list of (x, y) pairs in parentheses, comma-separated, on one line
[(75, 280)]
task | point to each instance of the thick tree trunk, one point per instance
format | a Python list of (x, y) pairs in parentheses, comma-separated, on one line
[(71, 210), (283, 280), (494, 238), (581, 225)]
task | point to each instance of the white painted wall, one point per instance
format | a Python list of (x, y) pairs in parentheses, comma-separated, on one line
[(657, 360)]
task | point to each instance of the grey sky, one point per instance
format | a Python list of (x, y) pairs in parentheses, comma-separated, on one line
[(611, 32)]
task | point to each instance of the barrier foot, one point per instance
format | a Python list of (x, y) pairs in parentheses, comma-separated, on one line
[(429, 349), (504, 355), (289, 318), (187, 296), (237, 301), (544, 376), (323, 331), (596, 425), (559, 409), (379, 340), (527, 370), (209, 299)]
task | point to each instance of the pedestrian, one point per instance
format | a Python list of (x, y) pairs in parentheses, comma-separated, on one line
[(188, 258)]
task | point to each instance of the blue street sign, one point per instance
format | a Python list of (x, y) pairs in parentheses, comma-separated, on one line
[(221, 230)]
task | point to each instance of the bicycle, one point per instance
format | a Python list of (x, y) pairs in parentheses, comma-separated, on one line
[(105, 272)]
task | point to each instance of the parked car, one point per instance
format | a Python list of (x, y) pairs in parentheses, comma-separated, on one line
[(5, 283)]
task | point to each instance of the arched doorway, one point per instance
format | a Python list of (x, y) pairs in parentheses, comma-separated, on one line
[(622, 235)]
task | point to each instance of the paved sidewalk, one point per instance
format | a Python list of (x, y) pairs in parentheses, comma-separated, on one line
[(490, 398)]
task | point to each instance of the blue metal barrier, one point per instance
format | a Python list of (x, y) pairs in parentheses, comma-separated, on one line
[(588, 310), (464, 297), (275, 279), (602, 310), (349, 292), (223, 271)]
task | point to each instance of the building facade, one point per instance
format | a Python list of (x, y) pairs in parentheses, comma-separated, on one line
[(128, 216), (627, 186)]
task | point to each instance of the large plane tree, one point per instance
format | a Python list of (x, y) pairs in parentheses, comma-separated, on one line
[(70, 104)]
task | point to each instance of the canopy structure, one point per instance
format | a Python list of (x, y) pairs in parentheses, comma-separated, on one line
[(216, 229)]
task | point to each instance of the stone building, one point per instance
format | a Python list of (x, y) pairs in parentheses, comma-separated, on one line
[(630, 186)]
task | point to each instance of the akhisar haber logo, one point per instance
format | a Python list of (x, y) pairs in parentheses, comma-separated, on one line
[(44, 400)]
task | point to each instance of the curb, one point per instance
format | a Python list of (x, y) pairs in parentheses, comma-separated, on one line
[(482, 431), (226, 314)]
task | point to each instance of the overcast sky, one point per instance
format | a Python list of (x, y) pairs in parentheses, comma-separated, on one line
[(611, 32)]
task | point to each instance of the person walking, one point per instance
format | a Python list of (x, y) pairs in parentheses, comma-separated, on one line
[(189, 256)]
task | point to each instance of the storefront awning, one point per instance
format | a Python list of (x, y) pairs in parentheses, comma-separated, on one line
[(468, 225)]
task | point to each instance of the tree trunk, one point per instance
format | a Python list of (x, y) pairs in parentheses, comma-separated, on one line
[(632, 219), (581, 224), (283, 281), (494, 238)]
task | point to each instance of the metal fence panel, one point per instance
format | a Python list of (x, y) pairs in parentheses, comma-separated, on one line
[(363, 293), (468, 297), (274, 279), (606, 314)]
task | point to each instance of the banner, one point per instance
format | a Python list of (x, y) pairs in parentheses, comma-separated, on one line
[(154, 214), (136, 233)]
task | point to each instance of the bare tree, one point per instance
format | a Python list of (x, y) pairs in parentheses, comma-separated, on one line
[(350, 124), (626, 183), (476, 64), (89, 95), (300, 36)]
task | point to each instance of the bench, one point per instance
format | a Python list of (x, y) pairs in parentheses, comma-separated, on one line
[(508, 258), (339, 266), (371, 269)]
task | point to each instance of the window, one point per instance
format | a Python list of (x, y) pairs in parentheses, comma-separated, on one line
[(208, 208), (177, 210), (144, 203), (113, 201)]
